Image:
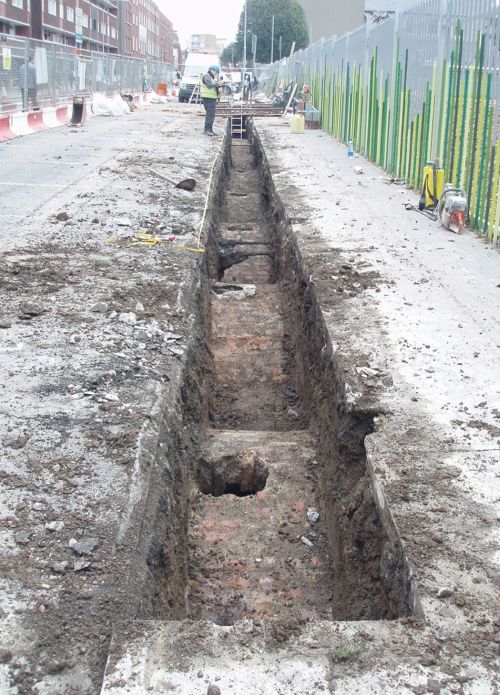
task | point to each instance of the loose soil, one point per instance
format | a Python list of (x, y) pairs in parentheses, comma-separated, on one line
[(286, 552), (211, 455)]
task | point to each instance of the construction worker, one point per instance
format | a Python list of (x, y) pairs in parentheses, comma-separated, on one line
[(28, 84), (209, 92)]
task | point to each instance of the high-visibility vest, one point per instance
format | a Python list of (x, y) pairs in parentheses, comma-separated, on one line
[(208, 92)]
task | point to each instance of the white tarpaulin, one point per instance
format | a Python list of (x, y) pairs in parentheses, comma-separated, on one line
[(82, 68), (109, 106), (42, 73)]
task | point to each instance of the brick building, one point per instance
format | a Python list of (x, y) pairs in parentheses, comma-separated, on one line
[(15, 17), (145, 31), (132, 27), (88, 24), (177, 50)]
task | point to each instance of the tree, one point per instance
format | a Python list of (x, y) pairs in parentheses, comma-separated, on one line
[(289, 23), (230, 55)]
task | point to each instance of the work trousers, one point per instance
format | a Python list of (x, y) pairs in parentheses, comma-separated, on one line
[(210, 106), (28, 95)]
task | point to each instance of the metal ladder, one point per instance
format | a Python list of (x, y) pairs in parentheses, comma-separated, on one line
[(194, 94), (238, 125)]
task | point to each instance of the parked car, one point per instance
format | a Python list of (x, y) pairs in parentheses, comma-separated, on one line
[(227, 84)]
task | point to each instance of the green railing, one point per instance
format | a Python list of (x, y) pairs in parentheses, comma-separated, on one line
[(424, 84)]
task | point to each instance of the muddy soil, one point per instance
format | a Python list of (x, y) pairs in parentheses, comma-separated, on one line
[(279, 322), (181, 441), (99, 342), (287, 551)]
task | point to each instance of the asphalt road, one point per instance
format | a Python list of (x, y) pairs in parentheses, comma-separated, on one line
[(34, 169)]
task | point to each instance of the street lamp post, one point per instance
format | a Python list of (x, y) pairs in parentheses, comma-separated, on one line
[(244, 67), (272, 40), (254, 53)]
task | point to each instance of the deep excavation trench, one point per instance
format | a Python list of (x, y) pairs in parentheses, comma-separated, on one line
[(276, 516)]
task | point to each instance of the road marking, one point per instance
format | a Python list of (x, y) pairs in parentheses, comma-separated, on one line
[(25, 183), (73, 161)]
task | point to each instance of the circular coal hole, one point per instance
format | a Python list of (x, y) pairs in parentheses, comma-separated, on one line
[(240, 474), (221, 288), (223, 621)]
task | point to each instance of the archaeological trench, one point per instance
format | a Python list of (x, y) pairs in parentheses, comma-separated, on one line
[(260, 506)]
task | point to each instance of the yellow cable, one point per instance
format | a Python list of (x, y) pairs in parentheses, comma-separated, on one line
[(145, 239)]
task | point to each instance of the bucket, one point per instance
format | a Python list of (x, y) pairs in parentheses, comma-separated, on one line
[(297, 123)]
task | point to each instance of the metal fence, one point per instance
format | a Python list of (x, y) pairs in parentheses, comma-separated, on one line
[(61, 73), (424, 84)]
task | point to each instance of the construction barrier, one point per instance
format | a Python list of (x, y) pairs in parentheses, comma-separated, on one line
[(27, 122), (62, 114), (67, 72), (49, 117), (5, 129), (19, 123), (35, 121)]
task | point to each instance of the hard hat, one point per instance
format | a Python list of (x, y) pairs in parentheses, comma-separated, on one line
[(215, 68)]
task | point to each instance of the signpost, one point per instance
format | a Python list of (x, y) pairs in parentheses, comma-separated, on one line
[(6, 58), (78, 26)]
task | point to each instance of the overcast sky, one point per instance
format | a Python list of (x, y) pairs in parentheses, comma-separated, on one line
[(219, 17), (389, 4)]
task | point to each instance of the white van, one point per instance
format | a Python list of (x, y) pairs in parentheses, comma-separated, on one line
[(196, 65)]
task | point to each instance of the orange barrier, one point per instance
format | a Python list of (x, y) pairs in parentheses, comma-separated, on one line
[(62, 114), (35, 120), (5, 131)]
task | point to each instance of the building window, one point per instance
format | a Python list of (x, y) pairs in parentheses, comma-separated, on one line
[(61, 10), (52, 7), (70, 13), (85, 20), (18, 4)]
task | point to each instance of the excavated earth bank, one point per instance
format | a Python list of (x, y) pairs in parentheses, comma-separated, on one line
[(276, 394), (97, 424), (240, 536), (297, 579)]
